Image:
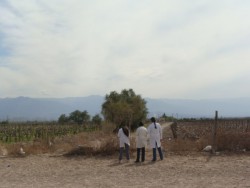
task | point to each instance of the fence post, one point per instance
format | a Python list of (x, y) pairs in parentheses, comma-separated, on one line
[(214, 132), (19, 132), (173, 127)]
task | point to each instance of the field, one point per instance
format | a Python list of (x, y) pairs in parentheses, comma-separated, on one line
[(61, 166)]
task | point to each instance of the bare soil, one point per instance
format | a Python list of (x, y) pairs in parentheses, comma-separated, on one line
[(196, 170)]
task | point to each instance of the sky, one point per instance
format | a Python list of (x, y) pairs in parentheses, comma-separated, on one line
[(196, 49)]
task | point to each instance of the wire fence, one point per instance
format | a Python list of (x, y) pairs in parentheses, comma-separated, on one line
[(222, 134)]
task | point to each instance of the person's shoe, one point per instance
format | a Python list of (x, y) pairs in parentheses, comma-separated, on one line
[(137, 161), (153, 160)]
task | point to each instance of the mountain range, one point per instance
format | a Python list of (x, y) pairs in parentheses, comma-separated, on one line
[(47, 109)]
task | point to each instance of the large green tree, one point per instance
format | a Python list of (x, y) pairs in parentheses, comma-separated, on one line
[(125, 108)]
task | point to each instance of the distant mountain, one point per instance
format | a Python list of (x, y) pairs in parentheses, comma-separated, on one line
[(24, 108), (236, 107), (41, 109)]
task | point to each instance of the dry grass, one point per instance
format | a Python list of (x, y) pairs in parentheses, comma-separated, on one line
[(105, 142), (232, 141), (225, 142)]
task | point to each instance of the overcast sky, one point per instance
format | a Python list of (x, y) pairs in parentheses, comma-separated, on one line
[(195, 49)]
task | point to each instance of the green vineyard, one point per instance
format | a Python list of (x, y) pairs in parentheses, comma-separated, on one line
[(20, 132)]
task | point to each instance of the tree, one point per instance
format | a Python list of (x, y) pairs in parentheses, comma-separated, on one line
[(63, 119), (125, 108), (167, 118), (79, 117), (97, 120)]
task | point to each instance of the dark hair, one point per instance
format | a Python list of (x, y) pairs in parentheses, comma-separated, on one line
[(153, 120), (141, 124), (125, 130)]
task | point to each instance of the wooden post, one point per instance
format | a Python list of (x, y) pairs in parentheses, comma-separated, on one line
[(173, 127), (214, 132), (19, 132)]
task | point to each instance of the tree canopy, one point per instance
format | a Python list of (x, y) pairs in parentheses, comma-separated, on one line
[(76, 117), (125, 108)]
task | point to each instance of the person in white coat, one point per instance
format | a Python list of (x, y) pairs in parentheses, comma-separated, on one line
[(141, 142), (155, 136), (123, 135)]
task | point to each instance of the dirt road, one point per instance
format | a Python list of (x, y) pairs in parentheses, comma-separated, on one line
[(173, 171)]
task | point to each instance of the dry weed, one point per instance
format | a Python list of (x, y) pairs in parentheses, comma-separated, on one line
[(233, 141), (105, 142)]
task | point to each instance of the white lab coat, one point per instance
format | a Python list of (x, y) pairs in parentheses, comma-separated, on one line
[(155, 135), (141, 137), (123, 138)]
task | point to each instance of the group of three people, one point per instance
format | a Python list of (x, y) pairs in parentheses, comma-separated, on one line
[(153, 132)]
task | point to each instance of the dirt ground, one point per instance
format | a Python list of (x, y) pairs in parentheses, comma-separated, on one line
[(196, 170)]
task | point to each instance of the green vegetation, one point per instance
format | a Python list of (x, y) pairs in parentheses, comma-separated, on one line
[(75, 117), (29, 131), (79, 133), (125, 108)]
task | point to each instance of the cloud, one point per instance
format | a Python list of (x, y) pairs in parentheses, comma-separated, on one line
[(168, 49)]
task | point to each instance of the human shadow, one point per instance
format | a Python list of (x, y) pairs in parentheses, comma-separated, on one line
[(140, 164), (116, 164)]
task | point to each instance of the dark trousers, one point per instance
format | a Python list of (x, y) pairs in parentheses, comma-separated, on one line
[(140, 153), (154, 152), (126, 150)]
